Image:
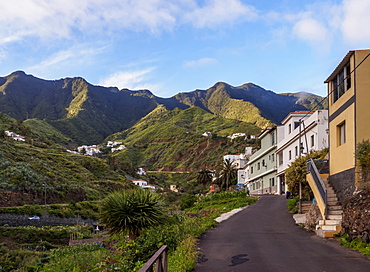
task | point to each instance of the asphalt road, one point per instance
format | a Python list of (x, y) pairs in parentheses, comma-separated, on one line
[(265, 238)]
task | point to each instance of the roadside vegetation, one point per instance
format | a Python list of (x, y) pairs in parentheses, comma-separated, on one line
[(358, 244), (297, 173), (179, 232)]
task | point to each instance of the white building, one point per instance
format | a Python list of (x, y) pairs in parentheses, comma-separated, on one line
[(300, 133), (261, 170), (121, 147), (14, 136), (113, 144), (140, 182), (235, 135), (141, 171), (143, 184), (89, 150)]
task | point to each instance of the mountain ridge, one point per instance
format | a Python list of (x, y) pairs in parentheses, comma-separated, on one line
[(89, 113)]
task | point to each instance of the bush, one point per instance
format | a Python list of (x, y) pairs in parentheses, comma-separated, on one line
[(187, 202), (292, 204)]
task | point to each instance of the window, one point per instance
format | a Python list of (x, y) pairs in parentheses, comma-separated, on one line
[(258, 166), (272, 181), (312, 140), (272, 138), (341, 82), (296, 124), (290, 154), (263, 163), (272, 158), (341, 131), (251, 169), (296, 151), (281, 158), (290, 128)]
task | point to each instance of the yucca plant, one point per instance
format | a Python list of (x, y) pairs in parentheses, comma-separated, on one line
[(131, 211)]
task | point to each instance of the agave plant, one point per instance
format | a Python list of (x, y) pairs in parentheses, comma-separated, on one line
[(131, 211)]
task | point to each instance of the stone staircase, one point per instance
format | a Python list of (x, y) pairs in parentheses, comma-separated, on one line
[(333, 222)]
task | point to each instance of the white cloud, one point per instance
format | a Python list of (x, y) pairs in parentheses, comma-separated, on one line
[(200, 62), (356, 21), (133, 80), (69, 19), (220, 12), (310, 30), (66, 61)]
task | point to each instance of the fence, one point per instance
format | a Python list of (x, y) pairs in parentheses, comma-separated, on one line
[(159, 259)]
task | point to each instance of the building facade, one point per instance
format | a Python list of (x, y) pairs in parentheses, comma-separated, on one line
[(261, 168), (349, 115), (300, 133)]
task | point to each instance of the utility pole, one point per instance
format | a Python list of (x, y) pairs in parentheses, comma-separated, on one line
[(300, 182), (45, 193)]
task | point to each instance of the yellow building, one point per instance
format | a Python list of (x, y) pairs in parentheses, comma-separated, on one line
[(349, 118)]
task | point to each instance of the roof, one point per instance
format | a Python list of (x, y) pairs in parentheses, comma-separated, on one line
[(265, 131), (296, 113), (340, 66)]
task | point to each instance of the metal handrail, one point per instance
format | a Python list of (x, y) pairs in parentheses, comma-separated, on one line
[(159, 259), (311, 168)]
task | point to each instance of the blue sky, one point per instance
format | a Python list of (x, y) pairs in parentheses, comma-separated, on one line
[(172, 46)]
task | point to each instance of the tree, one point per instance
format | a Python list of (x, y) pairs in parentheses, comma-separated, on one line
[(131, 211), (204, 177), (297, 173), (227, 174)]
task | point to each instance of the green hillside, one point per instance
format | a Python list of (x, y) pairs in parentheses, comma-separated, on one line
[(173, 141), (44, 131), (31, 168), (87, 114)]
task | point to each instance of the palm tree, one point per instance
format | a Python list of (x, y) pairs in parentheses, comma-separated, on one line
[(131, 211), (204, 177), (227, 174)]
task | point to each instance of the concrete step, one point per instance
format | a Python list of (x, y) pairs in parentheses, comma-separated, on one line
[(330, 222), (332, 198), (331, 194), (334, 216), (328, 233), (332, 203), (329, 227), (330, 212), (330, 190), (334, 207)]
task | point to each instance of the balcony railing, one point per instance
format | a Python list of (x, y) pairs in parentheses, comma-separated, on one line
[(159, 259)]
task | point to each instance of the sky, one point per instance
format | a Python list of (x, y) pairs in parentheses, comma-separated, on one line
[(173, 46)]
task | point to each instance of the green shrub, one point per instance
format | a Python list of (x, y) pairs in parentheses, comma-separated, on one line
[(187, 202), (362, 247), (292, 204)]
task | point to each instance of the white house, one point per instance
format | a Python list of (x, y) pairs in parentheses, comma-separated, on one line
[(141, 171), (14, 136), (140, 182), (207, 134), (235, 135), (261, 169), (121, 147), (89, 150), (299, 133), (113, 144), (143, 184)]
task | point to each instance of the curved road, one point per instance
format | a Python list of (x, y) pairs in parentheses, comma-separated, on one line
[(265, 238)]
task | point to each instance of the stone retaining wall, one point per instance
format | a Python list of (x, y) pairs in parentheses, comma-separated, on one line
[(15, 220), (356, 215), (312, 217)]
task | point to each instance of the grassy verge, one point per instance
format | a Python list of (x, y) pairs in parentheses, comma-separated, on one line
[(362, 247), (180, 234)]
